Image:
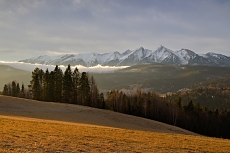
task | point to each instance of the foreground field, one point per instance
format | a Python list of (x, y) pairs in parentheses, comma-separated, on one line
[(10, 106), (32, 135), (33, 126)]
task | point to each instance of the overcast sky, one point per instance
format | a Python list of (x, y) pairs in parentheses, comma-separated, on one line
[(44, 27)]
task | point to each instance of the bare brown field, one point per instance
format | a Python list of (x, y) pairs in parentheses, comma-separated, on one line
[(31, 135), (32, 126)]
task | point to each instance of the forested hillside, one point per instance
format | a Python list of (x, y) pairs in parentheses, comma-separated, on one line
[(222, 83), (159, 78), (213, 94), (210, 97), (79, 88), (193, 117), (56, 86)]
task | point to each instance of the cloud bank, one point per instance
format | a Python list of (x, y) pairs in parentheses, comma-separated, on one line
[(31, 67), (38, 27)]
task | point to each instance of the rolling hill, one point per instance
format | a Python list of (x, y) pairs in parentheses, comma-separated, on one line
[(80, 114), (32, 126), (9, 74), (158, 77)]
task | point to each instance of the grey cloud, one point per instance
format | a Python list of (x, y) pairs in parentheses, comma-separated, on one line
[(39, 26), (31, 67)]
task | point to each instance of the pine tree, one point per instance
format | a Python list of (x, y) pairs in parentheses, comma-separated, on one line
[(102, 101), (84, 89), (67, 91), (17, 89), (22, 92), (9, 89), (94, 93), (23, 88), (51, 85), (37, 84), (14, 89), (5, 90), (46, 86), (57, 84), (76, 77)]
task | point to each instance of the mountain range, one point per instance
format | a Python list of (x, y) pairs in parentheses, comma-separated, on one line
[(162, 55)]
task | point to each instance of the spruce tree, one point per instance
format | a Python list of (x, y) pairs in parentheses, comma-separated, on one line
[(76, 77), (46, 86), (94, 93), (57, 84), (14, 89), (84, 89), (36, 84), (102, 101), (22, 92), (5, 90), (51, 85), (17, 89), (9, 89), (67, 86)]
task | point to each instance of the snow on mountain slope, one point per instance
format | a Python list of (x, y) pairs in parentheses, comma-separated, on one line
[(88, 57), (185, 55), (161, 55), (137, 54), (218, 56), (107, 57), (126, 52), (166, 56), (41, 59)]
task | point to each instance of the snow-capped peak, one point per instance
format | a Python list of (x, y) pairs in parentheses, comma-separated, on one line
[(126, 52), (133, 57)]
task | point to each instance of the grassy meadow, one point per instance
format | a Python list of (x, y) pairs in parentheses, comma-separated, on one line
[(31, 135)]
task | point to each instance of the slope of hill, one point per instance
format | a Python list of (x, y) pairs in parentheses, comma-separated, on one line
[(80, 114), (162, 55), (27, 135), (8, 74), (66, 133)]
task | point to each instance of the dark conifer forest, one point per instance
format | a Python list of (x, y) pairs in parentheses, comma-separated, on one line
[(80, 88)]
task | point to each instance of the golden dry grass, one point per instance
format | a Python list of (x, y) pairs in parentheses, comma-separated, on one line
[(33, 126), (31, 135)]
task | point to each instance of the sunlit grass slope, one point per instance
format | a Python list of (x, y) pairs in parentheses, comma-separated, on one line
[(31, 135)]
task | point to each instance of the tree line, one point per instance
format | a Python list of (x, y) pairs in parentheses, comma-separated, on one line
[(80, 88), (56, 86), (192, 117), (68, 87), (210, 97), (14, 89)]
